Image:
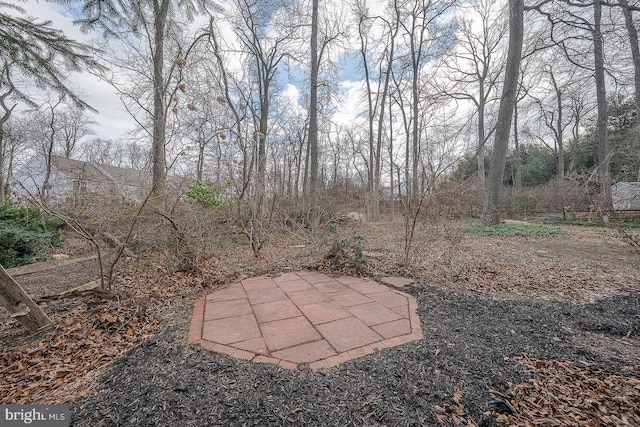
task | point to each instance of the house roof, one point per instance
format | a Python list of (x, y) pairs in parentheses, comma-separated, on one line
[(76, 169)]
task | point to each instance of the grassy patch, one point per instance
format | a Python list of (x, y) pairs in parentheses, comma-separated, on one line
[(516, 230)]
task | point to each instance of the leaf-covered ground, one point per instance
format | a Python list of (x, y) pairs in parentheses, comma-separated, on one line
[(529, 331)]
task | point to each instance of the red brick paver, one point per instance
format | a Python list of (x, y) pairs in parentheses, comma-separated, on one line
[(304, 317)]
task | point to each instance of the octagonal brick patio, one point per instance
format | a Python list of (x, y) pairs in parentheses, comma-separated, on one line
[(304, 317)]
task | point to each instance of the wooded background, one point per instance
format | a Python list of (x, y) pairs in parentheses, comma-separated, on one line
[(365, 100)]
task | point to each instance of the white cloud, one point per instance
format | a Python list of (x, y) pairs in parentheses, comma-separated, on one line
[(292, 94), (352, 105)]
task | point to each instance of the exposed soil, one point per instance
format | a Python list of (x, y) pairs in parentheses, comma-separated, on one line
[(547, 328)]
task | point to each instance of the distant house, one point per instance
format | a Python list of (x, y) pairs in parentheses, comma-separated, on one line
[(626, 196), (76, 181)]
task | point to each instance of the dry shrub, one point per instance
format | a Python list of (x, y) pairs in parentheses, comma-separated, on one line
[(454, 200), (557, 197), (175, 233)]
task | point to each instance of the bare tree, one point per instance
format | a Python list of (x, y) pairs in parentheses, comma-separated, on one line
[(15, 142), (264, 37), (382, 54), (568, 31), (476, 67), (491, 209), (423, 26), (108, 152), (632, 32), (74, 125), (151, 21), (51, 126), (554, 116)]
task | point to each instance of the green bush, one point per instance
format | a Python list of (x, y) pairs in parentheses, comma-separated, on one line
[(347, 252), (204, 193), (25, 235)]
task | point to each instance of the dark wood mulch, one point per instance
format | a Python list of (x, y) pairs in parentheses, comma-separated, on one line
[(471, 345)]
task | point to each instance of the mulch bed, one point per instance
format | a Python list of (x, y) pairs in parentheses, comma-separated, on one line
[(475, 348)]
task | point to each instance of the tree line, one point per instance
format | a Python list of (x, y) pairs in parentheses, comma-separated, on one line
[(288, 98)]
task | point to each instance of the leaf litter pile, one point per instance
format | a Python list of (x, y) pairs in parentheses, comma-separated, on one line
[(518, 331)]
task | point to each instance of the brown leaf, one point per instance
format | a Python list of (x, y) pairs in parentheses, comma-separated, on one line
[(546, 422)]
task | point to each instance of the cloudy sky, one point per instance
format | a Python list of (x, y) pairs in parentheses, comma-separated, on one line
[(112, 121)]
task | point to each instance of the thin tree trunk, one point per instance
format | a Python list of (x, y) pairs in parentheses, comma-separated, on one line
[(5, 117), (299, 163), (370, 116), (415, 133), (559, 140), (261, 139), (391, 164), (481, 137), (48, 153), (604, 147), (6, 189), (491, 209), (313, 120), (378, 157)]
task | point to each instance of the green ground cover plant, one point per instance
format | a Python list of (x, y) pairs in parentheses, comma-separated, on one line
[(516, 230), (26, 234)]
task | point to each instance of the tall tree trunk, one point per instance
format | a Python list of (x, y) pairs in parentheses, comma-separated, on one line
[(604, 146), (371, 196), (491, 209), (378, 159), (313, 120), (635, 52), (48, 152), (158, 153), (635, 55)]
